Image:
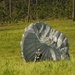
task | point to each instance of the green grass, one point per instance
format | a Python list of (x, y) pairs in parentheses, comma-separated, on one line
[(11, 62)]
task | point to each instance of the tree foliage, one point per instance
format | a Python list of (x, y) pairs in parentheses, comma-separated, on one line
[(44, 8)]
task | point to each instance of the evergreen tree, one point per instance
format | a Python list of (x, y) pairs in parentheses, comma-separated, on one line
[(38, 9)]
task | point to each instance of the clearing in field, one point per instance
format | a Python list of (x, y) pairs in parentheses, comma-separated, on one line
[(11, 62)]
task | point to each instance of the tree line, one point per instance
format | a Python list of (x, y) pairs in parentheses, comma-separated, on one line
[(13, 10)]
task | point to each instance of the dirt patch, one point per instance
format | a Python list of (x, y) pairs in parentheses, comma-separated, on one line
[(72, 52)]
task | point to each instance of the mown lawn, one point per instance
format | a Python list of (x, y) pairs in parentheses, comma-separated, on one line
[(11, 62)]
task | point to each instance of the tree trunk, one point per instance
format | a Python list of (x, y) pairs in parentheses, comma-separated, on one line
[(28, 10), (36, 10), (10, 8), (73, 10)]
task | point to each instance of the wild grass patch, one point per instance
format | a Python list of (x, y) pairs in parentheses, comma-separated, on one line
[(11, 62)]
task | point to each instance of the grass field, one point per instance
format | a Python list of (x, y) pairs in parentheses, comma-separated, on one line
[(11, 62)]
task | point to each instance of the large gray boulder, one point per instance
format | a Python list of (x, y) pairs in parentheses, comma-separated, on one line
[(53, 44)]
